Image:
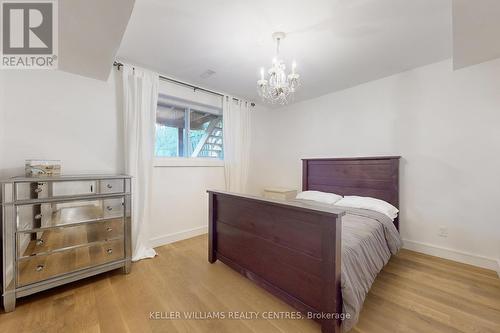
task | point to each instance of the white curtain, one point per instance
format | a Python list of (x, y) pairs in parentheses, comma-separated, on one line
[(140, 92), (236, 118)]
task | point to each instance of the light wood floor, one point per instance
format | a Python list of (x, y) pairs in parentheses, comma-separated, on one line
[(414, 293)]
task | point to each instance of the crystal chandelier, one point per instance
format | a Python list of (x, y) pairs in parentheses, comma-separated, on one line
[(280, 87)]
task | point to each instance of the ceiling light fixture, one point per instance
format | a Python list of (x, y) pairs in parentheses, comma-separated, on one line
[(279, 88)]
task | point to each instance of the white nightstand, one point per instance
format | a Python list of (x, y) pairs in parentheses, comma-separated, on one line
[(279, 193)]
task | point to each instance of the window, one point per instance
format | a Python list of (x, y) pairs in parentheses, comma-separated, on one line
[(187, 130)]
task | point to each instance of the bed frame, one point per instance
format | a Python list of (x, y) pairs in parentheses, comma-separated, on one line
[(291, 249)]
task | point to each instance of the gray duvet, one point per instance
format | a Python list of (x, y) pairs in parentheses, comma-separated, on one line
[(369, 239)]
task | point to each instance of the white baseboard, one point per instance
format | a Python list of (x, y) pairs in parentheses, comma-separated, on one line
[(455, 255), (433, 250), (177, 236)]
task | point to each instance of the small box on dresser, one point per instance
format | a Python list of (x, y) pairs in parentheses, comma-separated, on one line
[(48, 222)]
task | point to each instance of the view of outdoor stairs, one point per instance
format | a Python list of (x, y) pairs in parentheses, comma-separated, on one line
[(210, 144)]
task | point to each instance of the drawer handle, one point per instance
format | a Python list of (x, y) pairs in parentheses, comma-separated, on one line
[(38, 216), (39, 268), (109, 229), (38, 190), (109, 186), (109, 208), (109, 251), (39, 242)]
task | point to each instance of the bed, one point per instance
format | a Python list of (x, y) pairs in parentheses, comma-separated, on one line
[(321, 259)]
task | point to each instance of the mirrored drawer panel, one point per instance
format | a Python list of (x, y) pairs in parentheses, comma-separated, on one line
[(113, 208), (45, 215), (42, 190), (111, 186), (46, 241), (42, 267)]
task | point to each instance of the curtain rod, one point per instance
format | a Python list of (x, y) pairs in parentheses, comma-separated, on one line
[(119, 64)]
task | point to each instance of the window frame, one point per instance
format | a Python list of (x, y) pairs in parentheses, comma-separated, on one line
[(187, 162), (179, 161)]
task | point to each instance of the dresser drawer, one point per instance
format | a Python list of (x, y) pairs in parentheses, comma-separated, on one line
[(112, 208), (55, 189), (46, 215), (42, 267), (108, 186), (46, 241)]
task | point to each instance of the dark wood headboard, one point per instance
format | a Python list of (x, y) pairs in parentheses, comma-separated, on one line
[(376, 177)]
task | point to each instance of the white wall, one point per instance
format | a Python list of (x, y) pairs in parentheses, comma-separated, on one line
[(445, 126), (56, 115), (179, 202), (2, 121), (179, 206), (443, 123)]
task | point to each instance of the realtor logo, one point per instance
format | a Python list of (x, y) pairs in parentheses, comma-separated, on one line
[(29, 34)]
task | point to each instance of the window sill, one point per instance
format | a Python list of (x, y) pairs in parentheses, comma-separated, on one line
[(186, 162)]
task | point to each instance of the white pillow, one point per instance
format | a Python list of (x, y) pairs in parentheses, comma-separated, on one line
[(377, 205), (328, 198)]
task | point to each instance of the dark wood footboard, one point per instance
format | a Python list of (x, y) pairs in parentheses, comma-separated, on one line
[(291, 251)]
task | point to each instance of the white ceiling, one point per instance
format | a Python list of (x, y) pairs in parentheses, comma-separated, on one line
[(476, 27), (336, 43), (90, 32)]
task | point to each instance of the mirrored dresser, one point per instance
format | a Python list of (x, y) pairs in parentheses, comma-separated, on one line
[(61, 229)]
